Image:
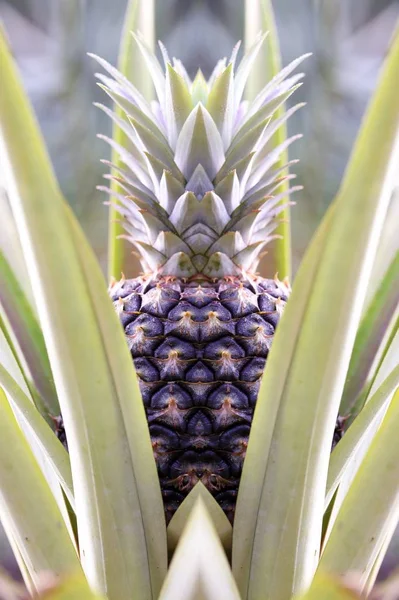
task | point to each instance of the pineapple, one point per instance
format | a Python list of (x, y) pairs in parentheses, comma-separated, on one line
[(200, 201)]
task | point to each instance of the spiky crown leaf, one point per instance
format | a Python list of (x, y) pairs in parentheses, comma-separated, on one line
[(201, 195)]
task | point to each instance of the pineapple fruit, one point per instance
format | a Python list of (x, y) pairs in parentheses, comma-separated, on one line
[(199, 199)]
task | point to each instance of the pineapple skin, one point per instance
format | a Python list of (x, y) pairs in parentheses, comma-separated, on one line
[(199, 349)]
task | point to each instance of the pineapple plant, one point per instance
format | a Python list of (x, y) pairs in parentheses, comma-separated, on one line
[(201, 195), (90, 523)]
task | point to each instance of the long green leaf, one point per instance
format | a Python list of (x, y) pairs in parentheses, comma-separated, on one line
[(57, 455), (112, 537), (371, 507), (325, 587), (27, 579), (288, 496), (10, 246), (259, 16), (129, 397), (270, 393), (388, 246), (70, 588), (375, 570), (9, 359), (369, 418), (28, 506), (182, 515), (199, 569), (29, 337), (371, 333), (9, 363), (383, 381), (140, 16)]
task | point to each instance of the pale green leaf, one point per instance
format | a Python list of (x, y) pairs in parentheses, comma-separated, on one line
[(140, 16), (50, 588), (178, 104), (370, 336), (371, 506), (9, 358), (29, 337), (325, 587), (386, 361), (207, 150), (92, 390), (157, 147), (392, 583), (10, 246), (129, 397), (28, 581), (388, 246), (182, 515), (70, 588), (220, 104), (368, 419), (131, 110), (199, 89), (384, 379), (199, 568), (288, 486), (52, 447), (150, 61), (28, 506), (259, 16), (272, 387)]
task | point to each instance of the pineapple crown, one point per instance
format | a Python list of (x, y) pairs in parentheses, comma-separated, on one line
[(200, 191)]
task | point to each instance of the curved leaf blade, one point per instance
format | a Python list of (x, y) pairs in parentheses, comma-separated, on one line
[(259, 16), (112, 537), (370, 336), (140, 16), (29, 337), (182, 515), (371, 506), (284, 543), (56, 453), (33, 518), (368, 419), (199, 569)]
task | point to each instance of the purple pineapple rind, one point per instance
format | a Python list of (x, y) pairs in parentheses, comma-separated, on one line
[(199, 350)]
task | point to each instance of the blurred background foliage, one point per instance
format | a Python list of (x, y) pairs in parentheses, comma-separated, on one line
[(50, 39)]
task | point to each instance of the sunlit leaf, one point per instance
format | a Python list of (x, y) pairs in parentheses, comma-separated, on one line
[(272, 387), (370, 336), (259, 16), (52, 447), (139, 17), (325, 587), (28, 506), (369, 418), (29, 336), (300, 395), (371, 506), (199, 568), (90, 386), (182, 515)]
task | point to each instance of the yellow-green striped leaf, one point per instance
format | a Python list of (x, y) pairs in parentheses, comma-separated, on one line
[(371, 507), (286, 500), (27, 506), (140, 16), (113, 519), (199, 569)]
